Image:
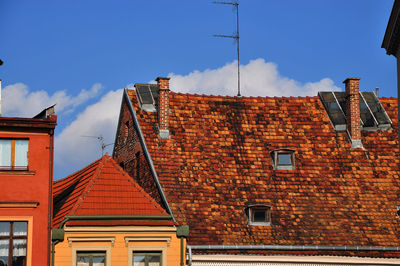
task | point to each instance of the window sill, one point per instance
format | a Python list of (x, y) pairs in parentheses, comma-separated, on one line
[(260, 224), (17, 172)]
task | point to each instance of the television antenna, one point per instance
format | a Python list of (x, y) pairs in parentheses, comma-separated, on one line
[(101, 139), (235, 37)]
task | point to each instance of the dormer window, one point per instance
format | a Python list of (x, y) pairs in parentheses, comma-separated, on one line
[(283, 159), (259, 215)]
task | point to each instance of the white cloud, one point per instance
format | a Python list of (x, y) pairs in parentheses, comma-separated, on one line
[(72, 150), (258, 78), (18, 101)]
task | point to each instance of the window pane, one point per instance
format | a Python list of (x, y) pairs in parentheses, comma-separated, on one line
[(19, 252), (21, 153), (284, 159), (154, 260), (99, 260), (138, 260), (4, 228), (259, 216), (5, 153), (83, 261), (20, 228), (4, 244)]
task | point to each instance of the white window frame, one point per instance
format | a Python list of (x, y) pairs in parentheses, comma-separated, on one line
[(275, 159), (250, 212)]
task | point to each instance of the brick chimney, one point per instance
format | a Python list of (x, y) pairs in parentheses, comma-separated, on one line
[(353, 119), (163, 107)]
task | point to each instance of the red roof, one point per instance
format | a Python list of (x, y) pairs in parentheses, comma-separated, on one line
[(217, 161), (103, 188)]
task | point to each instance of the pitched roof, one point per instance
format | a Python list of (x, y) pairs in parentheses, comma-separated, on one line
[(102, 188), (217, 161)]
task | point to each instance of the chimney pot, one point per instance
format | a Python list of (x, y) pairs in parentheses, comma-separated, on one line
[(353, 119), (163, 107)]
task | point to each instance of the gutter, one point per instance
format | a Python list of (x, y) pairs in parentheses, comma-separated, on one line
[(286, 248), (147, 154)]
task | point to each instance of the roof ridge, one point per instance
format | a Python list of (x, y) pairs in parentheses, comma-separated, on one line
[(89, 187), (133, 182)]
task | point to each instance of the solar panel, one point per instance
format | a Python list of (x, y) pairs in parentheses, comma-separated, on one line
[(333, 109), (377, 109)]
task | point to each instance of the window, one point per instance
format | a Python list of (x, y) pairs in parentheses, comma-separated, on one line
[(13, 240), (13, 154), (92, 258), (259, 215), (147, 259), (283, 159)]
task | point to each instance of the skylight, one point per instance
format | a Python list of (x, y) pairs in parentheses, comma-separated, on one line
[(373, 115), (148, 96)]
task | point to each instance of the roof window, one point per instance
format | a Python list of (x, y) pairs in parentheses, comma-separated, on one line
[(148, 96), (373, 115), (259, 215), (283, 159)]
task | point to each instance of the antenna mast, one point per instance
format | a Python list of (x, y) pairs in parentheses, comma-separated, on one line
[(235, 37), (101, 139)]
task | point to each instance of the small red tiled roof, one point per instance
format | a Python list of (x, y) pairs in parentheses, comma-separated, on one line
[(102, 188), (217, 161)]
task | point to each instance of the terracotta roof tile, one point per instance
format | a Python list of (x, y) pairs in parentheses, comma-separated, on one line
[(218, 161), (102, 188)]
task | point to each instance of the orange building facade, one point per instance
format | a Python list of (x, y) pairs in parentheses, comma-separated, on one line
[(26, 175)]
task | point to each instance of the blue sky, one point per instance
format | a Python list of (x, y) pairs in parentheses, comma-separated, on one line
[(78, 54)]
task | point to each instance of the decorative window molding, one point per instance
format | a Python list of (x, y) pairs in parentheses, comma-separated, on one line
[(166, 239), (110, 239), (283, 159), (259, 215), (29, 236)]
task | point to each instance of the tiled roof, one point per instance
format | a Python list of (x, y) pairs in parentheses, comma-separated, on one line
[(103, 188), (217, 161)]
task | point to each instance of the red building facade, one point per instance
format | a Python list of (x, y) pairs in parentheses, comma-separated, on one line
[(26, 175)]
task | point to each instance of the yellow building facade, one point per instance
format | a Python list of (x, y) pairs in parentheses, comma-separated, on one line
[(120, 245), (102, 217)]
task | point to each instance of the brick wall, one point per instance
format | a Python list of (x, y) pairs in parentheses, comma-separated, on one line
[(128, 153)]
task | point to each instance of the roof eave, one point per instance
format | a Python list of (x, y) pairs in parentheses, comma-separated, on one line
[(391, 39)]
